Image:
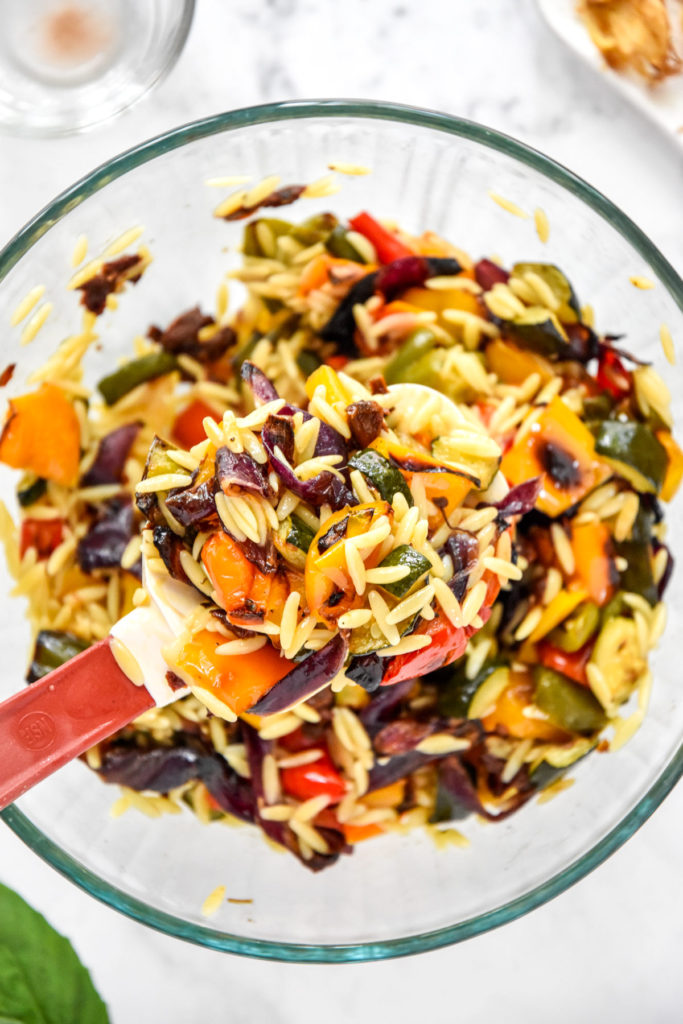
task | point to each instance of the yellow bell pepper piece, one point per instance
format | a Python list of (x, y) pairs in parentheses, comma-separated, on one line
[(334, 389), (557, 611)]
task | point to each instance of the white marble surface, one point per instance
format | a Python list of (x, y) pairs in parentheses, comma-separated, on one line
[(610, 947)]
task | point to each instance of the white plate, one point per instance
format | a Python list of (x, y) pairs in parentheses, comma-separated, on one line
[(662, 103)]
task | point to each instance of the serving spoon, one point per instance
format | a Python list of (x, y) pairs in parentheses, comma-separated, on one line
[(107, 686)]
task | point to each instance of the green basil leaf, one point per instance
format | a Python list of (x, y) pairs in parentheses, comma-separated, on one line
[(42, 980)]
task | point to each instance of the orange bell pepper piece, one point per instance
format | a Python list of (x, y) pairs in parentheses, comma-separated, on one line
[(42, 434), (513, 365), (674, 469), (357, 833), (595, 572), (243, 591), (562, 448), (508, 716), (236, 680), (317, 273)]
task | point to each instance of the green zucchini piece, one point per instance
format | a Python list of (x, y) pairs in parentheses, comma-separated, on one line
[(597, 407), (338, 245), (560, 286), (456, 690), (29, 494), (567, 704), (251, 245), (308, 361), (138, 371), (418, 565), (576, 630), (400, 369), (292, 540), (634, 452), (617, 653), (637, 577), (385, 478), (539, 330), (52, 649), (484, 468)]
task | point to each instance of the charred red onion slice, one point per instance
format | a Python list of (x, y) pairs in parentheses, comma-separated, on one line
[(306, 678)]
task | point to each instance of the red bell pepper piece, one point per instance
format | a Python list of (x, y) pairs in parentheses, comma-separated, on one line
[(448, 642), (612, 375), (316, 779), (387, 246), (571, 665), (188, 428), (42, 534)]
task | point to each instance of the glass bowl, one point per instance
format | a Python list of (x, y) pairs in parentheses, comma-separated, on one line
[(396, 894), (65, 67)]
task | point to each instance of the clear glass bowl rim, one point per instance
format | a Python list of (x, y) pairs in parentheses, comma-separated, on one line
[(306, 109)]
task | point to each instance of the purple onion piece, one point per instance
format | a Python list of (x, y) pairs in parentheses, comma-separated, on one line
[(325, 488), (112, 453), (463, 548), (487, 273), (105, 542), (329, 442), (411, 271), (159, 769), (231, 792), (306, 678), (195, 506), (457, 789), (520, 499), (240, 470), (259, 385), (170, 548), (668, 572), (385, 702), (398, 767)]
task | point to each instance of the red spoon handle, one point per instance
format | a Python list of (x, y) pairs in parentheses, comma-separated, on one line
[(56, 719)]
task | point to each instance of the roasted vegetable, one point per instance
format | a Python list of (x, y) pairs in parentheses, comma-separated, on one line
[(594, 561), (138, 371), (330, 591), (400, 366), (317, 778), (560, 446), (674, 469), (44, 535), (484, 467), (571, 665), (634, 452), (42, 434), (568, 308), (339, 244), (188, 427), (514, 713), (247, 594), (306, 678), (444, 486), (513, 364), (577, 628), (112, 452), (52, 649), (637, 577), (618, 656), (106, 540), (387, 246), (381, 474), (539, 330), (456, 691), (567, 705), (416, 563), (560, 608), (235, 681), (29, 493), (158, 464), (292, 540)]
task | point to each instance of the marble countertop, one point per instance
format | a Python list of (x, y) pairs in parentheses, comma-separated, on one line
[(610, 947)]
